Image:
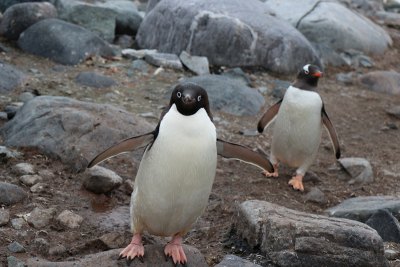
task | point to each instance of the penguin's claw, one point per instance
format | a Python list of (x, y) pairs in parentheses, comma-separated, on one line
[(297, 182), (175, 251), (133, 250), (271, 174)]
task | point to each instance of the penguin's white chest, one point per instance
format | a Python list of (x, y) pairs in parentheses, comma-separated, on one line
[(175, 176), (297, 130)]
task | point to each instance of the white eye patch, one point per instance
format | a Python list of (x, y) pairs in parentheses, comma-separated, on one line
[(305, 68)]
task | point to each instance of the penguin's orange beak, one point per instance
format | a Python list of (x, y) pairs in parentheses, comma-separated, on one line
[(317, 74)]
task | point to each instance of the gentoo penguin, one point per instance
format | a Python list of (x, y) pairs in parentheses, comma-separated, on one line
[(177, 170), (298, 117)]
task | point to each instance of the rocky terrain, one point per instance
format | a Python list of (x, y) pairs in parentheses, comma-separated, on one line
[(78, 76)]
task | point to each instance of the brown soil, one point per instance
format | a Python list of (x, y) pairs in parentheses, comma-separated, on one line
[(358, 115)]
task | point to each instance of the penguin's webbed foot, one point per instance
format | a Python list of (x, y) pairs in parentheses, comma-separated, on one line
[(134, 250), (272, 174), (297, 182), (175, 251)]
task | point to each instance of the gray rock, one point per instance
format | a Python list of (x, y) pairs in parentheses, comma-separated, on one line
[(30, 180), (41, 245), (124, 41), (391, 254), (386, 225), (394, 111), (11, 194), (95, 18), (392, 5), (359, 168), (199, 65), (113, 240), (366, 7), (387, 82), (6, 153), (62, 42), (19, 17), (26, 96), (57, 250), (101, 180), (154, 257), (18, 223), (140, 65), (228, 32), (128, 17), (356, 59), (235, 261), (229, 95), (4, 217), (345, 78), (361, 208), (14, 262), (294, 238), (137, 54), (39, 188), (69, 219), (23, 168), (316, 195), (10, 78), (16, 247), (389, 19), (95, 80), (4, 4), (279, 88), (40, 218), (164, 60), (326, 23), (71, 130)]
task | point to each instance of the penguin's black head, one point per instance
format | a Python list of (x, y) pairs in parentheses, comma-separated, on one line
[(308, 77), (189, 98)]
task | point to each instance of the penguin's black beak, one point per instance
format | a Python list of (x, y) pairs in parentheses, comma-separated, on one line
[(188, 99)]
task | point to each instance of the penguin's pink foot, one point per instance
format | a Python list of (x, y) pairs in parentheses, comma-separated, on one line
[(297, 182), (272, 174), (174, 250), (134, 249)]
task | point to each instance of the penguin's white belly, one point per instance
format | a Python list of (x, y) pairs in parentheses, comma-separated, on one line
[(175, 176), (298, 126)]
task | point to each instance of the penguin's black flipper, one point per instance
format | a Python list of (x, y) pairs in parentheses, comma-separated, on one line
[(235, 151), (268, 116), (332, 132), (126, 145)]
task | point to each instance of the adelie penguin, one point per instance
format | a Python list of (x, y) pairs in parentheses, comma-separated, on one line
[(177, 171), (298, 117)]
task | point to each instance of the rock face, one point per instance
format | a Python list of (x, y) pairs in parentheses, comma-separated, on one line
[(19, 17), (62, 42), (95, 80), (386, 225), (359, 168), (10, 78), (361, 208), (293, 238), (235, 261), (326, 24), (4, 4), (230, 95), (71, 130), (387, 82), (227, 32), (154, 256), (11, 194)]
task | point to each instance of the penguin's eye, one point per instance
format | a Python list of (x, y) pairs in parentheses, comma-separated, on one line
[(179, 94), (306, 72), (199, 98)]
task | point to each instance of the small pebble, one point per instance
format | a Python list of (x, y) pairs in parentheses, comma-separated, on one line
[(16, 247)]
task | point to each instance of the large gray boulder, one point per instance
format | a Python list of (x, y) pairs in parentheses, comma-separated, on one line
[(19, 17), (71, 130), (229, 95), (154, 256), (386, 82), (4, 4), (294, 238), (332, 27), (62, 42), (227, 32), (362, 208)]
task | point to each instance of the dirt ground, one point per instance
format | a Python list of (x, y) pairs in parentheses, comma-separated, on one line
[(364, 128)]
